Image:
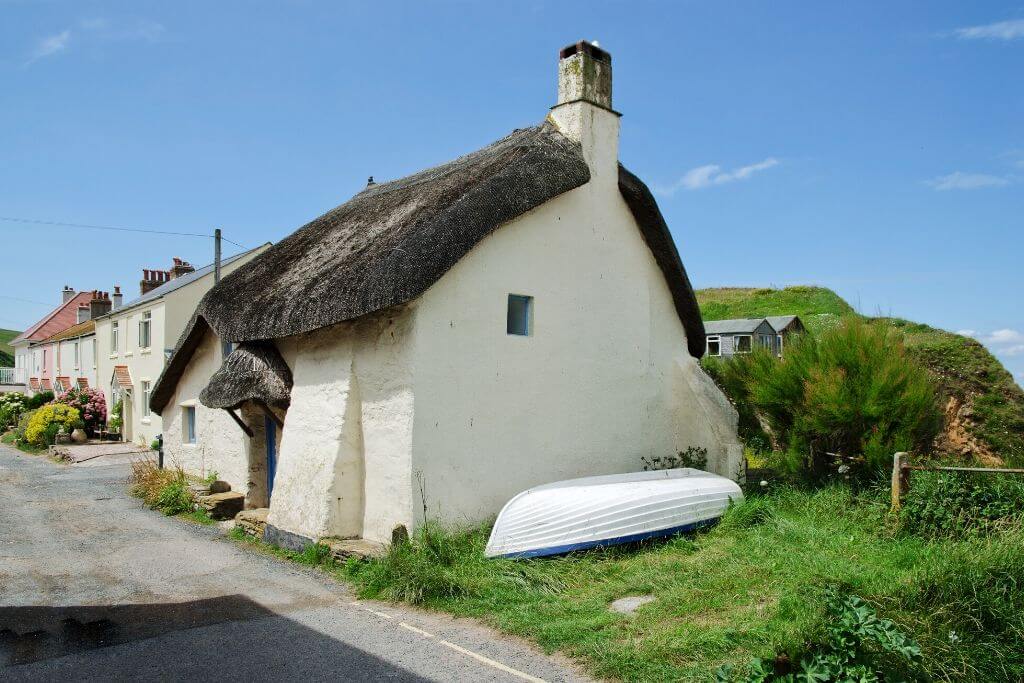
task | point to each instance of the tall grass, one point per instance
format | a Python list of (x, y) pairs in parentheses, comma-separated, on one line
[(161, 489)]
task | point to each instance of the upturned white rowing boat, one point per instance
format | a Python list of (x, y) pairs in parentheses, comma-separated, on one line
[(608, 510)]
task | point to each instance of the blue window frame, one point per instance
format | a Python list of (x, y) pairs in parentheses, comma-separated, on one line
[(520, 315)]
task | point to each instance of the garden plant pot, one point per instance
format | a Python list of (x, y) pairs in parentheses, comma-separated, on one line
[(78, 436)]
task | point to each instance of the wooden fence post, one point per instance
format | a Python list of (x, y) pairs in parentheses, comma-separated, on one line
[(900, 479)]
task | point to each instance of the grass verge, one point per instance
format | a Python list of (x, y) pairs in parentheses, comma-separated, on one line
[(757, 585)]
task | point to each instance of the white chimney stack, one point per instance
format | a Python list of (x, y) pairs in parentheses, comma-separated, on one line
[(67, 294), (83, 312), (584, 111), (117, 298)]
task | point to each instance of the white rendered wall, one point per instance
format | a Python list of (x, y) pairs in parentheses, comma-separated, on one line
[(221, 445), (344, 465), (604, 380)]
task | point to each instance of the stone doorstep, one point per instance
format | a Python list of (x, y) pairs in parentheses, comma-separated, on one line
[(252, 521), (344, 548), (222, 505)]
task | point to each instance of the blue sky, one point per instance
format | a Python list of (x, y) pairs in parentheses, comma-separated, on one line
[(874, 148)]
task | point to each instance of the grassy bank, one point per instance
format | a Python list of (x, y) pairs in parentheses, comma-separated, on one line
[(984, 407), (755, 586)]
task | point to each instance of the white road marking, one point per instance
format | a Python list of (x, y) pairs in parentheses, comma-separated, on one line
[(490, 662), (412, 628), (461, 650)]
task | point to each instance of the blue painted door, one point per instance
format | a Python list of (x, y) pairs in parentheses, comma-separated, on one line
[(271, 430)]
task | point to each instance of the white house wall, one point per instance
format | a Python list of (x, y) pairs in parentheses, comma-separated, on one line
[(344, 466), (220, 445), (591, 391)]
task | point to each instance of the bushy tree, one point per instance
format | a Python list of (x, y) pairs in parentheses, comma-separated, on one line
[(90, 403), (852, 390)]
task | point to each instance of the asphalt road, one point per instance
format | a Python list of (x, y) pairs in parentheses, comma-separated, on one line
[(95, 587)]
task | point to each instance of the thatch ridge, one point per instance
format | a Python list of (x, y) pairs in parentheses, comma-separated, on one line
[(656, 233), (254, 371), (391, 242)]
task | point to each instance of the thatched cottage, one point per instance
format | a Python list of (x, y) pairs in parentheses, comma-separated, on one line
[(439, 343)]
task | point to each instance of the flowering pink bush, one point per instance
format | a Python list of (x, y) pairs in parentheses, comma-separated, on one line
[(90, 404)]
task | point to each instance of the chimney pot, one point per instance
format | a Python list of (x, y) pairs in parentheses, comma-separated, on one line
[(585, 73)]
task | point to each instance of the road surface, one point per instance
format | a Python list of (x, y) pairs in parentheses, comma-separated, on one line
[(95, 587)]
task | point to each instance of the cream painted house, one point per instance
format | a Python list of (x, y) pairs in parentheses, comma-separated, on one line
[(440, 343), (134, 340)]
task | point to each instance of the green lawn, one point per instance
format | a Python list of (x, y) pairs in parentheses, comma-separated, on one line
[(754, 586)]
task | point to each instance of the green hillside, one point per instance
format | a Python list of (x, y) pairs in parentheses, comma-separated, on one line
[(6, 351), (984, 407)]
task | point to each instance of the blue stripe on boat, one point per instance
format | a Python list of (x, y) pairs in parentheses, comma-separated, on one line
[(632, 538)]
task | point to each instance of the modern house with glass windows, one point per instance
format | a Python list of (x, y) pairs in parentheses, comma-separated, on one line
[(743, 335), (133, 340)]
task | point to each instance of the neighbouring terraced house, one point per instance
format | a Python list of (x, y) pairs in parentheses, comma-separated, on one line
[(134, 340), (439, 343)]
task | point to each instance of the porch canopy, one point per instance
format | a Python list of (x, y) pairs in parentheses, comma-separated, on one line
[(255, 372)]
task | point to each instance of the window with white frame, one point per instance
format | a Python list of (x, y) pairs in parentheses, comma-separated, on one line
[(145, 328), (765, 340), (145, 398), (714, 345), (113, 337), (742, 343), (778, 344)]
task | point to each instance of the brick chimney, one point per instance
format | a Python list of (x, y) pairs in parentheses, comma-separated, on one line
[(67, 294), (117, 299), (151, 279), (180, 268), (100, 304), (584, 111), (83, 312)]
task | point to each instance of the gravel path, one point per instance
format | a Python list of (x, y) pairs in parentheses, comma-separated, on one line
[(94, 587)]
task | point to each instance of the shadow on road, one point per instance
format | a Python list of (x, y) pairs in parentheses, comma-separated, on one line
[(33, 634)]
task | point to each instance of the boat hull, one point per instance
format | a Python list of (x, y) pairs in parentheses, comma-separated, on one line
[(609, 510)]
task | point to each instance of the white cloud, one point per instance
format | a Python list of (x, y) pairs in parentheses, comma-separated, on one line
[(712, 174), (1004, 342), (50, 46), (1000, 30), (1004, 336), (958, 180)]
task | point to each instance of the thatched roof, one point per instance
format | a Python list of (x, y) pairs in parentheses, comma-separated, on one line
[(254, 371), (391, 242)]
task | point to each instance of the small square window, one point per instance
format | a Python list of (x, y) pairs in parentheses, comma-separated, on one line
[(743, 343), (520, 315)]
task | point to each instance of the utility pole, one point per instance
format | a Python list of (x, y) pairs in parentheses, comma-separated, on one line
[(216, 256)]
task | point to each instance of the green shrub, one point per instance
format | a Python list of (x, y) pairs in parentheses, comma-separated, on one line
[(116, 416), (852, 390), (53, 414), (50, 433), (39, 400), (12, 405), (959, 504), (857, 646)]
